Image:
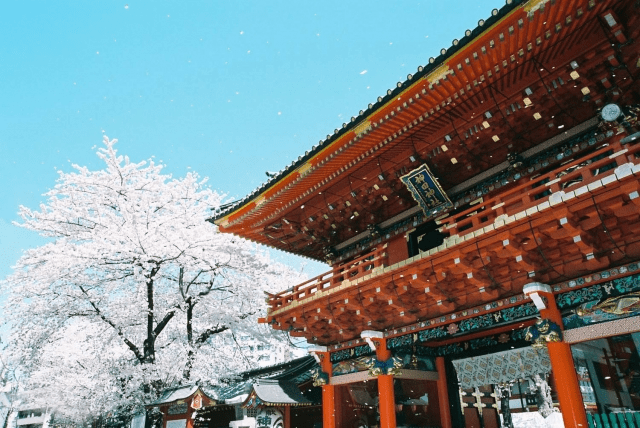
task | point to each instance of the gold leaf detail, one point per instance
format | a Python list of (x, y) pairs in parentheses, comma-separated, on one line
[(533, 5), (362, 127), (304, 169), (439, 73)]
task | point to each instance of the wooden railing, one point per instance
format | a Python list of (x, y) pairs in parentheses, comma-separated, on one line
[(349, 270), (569, 177)]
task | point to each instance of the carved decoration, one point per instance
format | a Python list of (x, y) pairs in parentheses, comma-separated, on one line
[(390, 367), (605, 290), (503, 392), (543, 332), (374, 231), (330, 254), (196, 402), (625, 305), (607, 309), (500, 367), (319, 378), (540, 387)]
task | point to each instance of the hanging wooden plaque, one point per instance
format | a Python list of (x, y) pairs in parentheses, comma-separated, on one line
[(426, 191)]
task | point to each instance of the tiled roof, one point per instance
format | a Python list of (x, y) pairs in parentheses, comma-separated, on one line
[(174, 394), (279, 392), (292, 372), (234, 390), (422, 71)]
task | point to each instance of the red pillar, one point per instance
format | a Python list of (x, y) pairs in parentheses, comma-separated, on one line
[(387, 402), (328, 393), (443, 394), (287, 416), (328, 406), (564, 371)]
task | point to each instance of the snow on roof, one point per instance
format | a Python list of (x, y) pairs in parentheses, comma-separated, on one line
[(228, 393), (24, 407), (292, 372), (279, 392), (177, 393)]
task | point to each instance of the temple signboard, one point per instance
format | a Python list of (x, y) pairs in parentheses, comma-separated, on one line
[(426, 191)]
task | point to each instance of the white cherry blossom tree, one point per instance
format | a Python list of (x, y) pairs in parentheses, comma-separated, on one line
[(134, 291)]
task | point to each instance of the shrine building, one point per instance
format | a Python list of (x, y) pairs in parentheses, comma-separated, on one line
[(277, 396), (481, 223)]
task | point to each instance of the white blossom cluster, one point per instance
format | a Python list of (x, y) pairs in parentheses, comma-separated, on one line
[(134, 291)]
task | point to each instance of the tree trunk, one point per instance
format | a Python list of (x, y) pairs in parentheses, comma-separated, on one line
[(190, 353), (150, 341)]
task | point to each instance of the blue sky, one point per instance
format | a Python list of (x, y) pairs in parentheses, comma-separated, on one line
[(229, 89)]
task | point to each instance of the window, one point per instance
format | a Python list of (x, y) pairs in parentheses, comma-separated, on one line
[(609, 374), (31, 413)]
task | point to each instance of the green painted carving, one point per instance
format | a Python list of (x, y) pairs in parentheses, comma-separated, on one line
[(611, 288), (319, 378), (433, 333), (543, 332), (360, 351), (390, 367), (342, 355), (400, 341)]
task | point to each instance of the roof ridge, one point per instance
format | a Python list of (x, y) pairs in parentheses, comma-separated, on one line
[(422, 71)]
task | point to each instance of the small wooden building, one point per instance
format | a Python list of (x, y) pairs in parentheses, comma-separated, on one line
[(180, 407), (281, 396), (277, 403)]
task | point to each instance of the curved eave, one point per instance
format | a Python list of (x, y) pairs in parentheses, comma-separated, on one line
[(307, 165), (179, 399)]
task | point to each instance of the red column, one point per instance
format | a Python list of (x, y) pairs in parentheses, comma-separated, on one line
[(328, 406), (564, 371), (443, 394), (164, 411), (328, 393), (387, 402), (287, 416)]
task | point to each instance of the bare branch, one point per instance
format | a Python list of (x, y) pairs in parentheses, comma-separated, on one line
[(127, 342)]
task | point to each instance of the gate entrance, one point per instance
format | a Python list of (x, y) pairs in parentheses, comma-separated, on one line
[(506, 389)]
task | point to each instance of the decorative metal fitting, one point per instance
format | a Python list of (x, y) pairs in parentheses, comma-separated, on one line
[(319, 378), (374, 231)]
